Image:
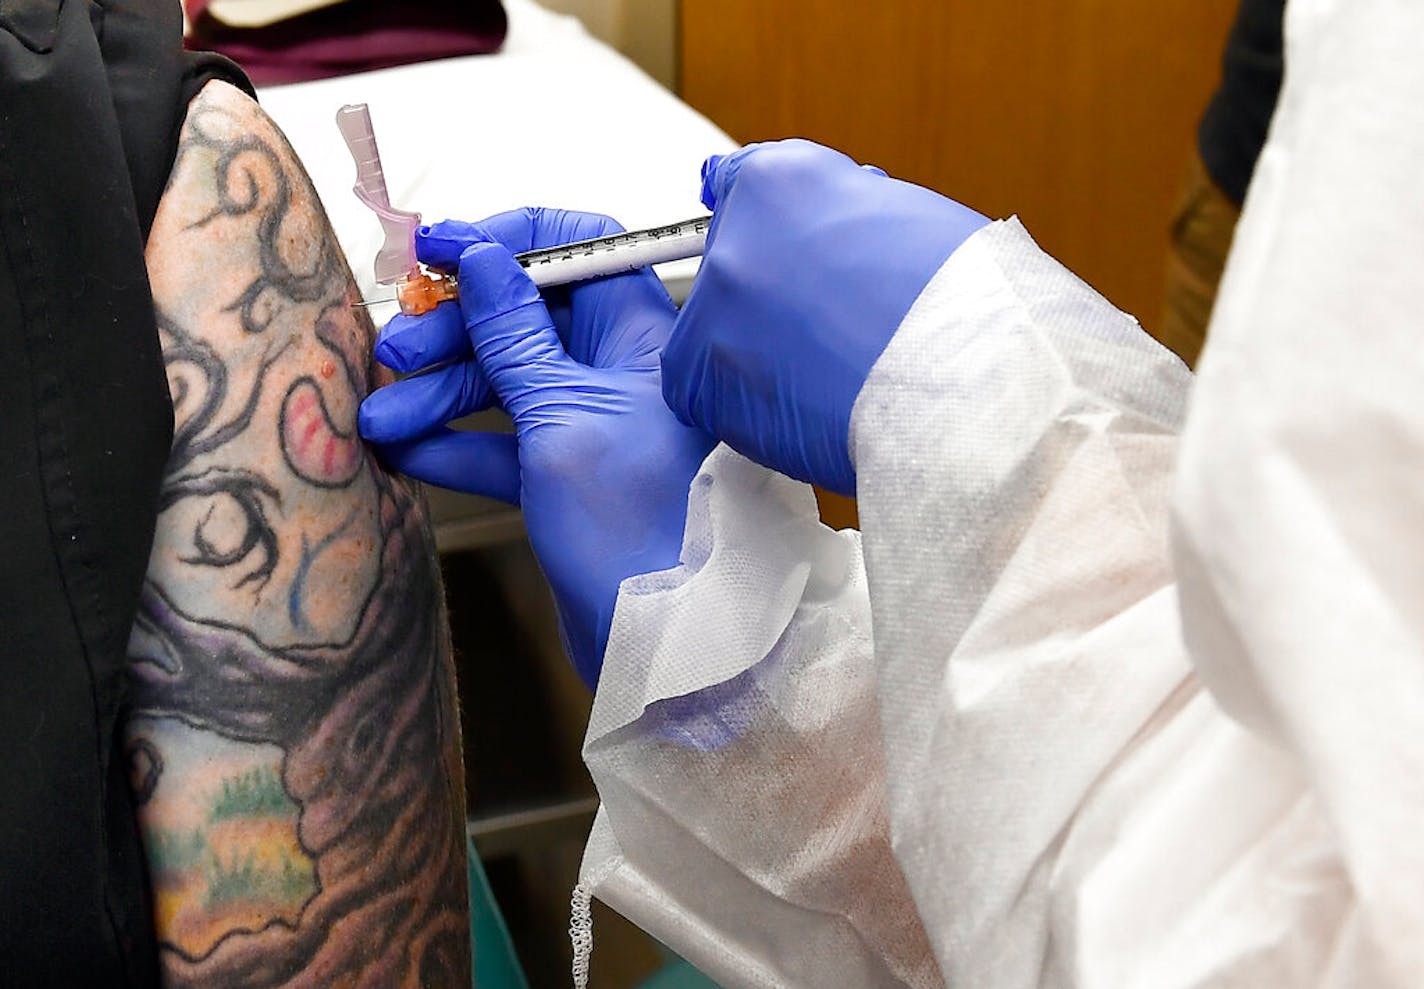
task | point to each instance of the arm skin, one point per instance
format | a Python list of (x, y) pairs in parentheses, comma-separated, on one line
[(292, 735)]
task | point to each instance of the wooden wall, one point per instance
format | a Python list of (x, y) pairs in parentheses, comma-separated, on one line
[(644, 30), (1078, 115)]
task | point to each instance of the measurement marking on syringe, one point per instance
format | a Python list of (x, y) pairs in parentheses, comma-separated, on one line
[(654, 245)]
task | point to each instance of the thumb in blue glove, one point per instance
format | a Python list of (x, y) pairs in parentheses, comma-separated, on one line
[(599, 464), (811, 264)]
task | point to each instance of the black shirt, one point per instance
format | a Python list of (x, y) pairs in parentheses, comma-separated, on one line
[(1233, 130), (92, 97)]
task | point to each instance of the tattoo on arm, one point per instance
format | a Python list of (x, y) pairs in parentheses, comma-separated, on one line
[(292, 739)]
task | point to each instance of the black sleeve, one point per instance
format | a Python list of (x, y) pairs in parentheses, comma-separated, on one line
[(92, 97), (1233, 130)]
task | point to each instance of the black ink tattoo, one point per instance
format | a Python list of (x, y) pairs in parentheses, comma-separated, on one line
[(253, 179), (248, 491)]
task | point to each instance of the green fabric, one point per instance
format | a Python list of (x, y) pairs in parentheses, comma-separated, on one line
[(496, 966), (677, 974)]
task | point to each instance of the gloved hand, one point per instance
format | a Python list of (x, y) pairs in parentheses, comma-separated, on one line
[(811, 264), (598, 463)]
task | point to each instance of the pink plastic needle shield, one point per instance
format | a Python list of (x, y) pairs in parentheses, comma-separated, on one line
[(416, 291), (396, 258)]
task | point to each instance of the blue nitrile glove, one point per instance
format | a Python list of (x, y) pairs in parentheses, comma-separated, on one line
[(598, 463), (811, 264)]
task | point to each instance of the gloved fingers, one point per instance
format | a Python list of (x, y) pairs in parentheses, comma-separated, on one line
[(720, 173), (716, 175), (620, 321), (510, 329), (440, 245), (582, 311), (409, 343), (414, 406), (477, 463), (531, 228), (686, 374)]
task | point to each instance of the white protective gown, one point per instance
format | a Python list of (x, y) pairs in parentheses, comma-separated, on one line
[(1094, 700)]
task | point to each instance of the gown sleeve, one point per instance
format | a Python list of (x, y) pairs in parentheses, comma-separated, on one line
[(1095, 698)]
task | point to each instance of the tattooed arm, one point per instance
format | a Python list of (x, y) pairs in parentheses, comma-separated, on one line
[(293, 738)]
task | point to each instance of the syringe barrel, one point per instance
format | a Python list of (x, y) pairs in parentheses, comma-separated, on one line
[(594, 259)]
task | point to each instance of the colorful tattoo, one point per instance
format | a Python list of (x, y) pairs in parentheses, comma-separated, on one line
[(293, 741)]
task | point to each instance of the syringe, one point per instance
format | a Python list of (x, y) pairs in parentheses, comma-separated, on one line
[(579, 261), (418, 292), (615, 253)]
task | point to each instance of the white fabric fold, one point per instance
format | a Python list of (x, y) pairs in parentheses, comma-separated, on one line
[(743, 819), (1014, 447), (1302, 477)]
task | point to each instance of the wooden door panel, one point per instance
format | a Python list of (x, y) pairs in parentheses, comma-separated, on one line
[(1078, 115)]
